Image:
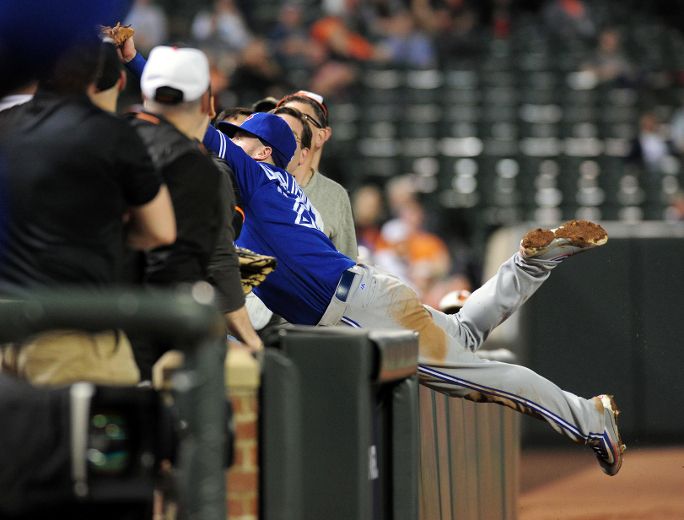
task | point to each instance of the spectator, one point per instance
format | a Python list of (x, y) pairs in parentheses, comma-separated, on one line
[(235, 115), (651, 146), (290, 37), (424, 256), (178, 107), (453, 24), (569, 19), (675, 209), (405, 44), (257, 75), (609, 63), (265, 105), (327, 196), (223, 26), (110, 82), (369, 213), (66, 227), (150, 22), (677, 130)]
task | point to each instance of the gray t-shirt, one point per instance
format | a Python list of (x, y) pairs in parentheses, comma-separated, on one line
[(332, 202)]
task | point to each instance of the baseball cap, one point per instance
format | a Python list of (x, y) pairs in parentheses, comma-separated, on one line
[(272, 130), (174, 75)]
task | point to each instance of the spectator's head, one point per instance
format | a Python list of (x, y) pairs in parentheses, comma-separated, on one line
[(649, 123), (175, 75), (609, 41), (176, 83), (315, 112), (235, 115), (368, 206), (290, 15), (74, 70), (265, 105), (295, 120), (264, 137), (110, 80)]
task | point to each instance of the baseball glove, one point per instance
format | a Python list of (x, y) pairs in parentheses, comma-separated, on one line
[(118, 34), (254, 268)]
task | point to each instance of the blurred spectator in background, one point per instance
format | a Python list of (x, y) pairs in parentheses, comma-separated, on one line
[(258, 75), (569, 19), (150, 23), (425, 256), (222, 65), (609, 64), (651, 146), (369, 213), (501, 18), (454, 25), (404, 44), (223, 27), (342, 41), (677, 128), (675, 209), (290, 37)]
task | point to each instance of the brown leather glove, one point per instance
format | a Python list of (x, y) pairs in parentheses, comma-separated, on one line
[(254, 268)]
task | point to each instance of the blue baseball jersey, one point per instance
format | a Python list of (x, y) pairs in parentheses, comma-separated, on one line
[(280, 221)]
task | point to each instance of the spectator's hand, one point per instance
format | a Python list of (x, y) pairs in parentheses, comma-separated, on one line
[(127, 50)]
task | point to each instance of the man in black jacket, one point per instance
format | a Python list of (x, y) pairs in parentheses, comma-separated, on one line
[(178, 108)]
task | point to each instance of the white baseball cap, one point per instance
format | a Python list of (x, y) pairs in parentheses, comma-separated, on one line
[(174, 75)]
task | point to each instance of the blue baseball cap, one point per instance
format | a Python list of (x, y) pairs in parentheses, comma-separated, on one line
[(272, 130)]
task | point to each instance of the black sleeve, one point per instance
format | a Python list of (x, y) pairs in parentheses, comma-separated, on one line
[(139, 178), (224, 273), (193, 183)]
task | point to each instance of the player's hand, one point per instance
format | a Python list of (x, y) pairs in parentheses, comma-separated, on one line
[(127, 50)]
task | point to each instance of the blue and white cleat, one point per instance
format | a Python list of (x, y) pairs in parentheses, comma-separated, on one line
[(570, 238), (609, 448)]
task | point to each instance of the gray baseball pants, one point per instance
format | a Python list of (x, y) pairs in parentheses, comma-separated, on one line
[(448, 363)]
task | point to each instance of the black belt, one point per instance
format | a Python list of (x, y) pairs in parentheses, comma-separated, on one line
[(346, 280)]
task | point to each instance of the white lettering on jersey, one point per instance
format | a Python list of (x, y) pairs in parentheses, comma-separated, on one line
[(306, 214)]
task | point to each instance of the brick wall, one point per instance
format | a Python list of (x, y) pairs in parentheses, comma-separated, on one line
[(242, 378)]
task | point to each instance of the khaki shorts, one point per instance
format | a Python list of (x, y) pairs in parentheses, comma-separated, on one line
[(66, 356)]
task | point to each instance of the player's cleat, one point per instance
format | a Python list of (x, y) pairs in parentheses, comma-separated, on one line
[(570, 238), (609, 448)]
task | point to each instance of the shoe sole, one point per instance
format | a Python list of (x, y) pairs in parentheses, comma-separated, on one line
[(619, 448), (580, 234)]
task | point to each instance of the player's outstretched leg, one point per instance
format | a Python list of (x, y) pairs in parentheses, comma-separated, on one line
[(555, 245), (609, 448)]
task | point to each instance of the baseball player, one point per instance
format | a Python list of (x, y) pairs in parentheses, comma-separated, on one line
[(314, 284)]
